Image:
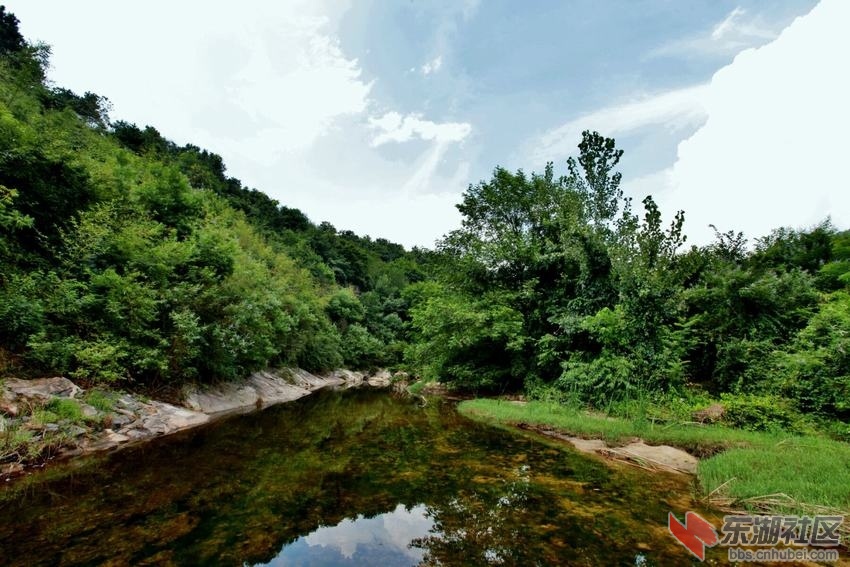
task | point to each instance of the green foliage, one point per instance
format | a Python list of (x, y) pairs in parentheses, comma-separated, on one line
[(65, 409), (360, 349), (469, 343), (759, 412), (344, 308), (11, 39), (101, 400), (815, 368), (587, 288), (736, 316), (129, 259)]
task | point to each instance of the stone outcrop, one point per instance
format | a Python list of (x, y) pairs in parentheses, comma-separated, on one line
[(41, 388), (262, 389), (380, 379)]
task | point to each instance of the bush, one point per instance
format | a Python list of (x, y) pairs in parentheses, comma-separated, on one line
[(815, 370), (760, 413)]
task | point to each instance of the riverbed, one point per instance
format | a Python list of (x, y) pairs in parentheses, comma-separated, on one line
[(357, 477)]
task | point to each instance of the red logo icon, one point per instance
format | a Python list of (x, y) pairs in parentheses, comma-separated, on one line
[(695, 534)]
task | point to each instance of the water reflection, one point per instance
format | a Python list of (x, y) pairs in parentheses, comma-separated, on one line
[(355, 478), (382, 540)]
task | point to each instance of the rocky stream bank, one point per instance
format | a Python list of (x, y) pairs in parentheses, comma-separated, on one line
[(46, 419)]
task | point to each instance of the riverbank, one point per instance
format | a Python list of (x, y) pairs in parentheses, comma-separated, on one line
[(768, 472), (49, 419)]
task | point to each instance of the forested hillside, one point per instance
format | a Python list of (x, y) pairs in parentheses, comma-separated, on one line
[(126, 258)]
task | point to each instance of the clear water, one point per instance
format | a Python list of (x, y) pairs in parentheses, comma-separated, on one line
[(349, 478)]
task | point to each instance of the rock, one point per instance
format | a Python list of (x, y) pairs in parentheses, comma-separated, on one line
[(656, 457), (107, 440), (273, 388), (261, 389), (76, 431), (711, 414), (119, 420), (348, 378), (224, 399), (435, 389), (136, 434), (176, 418), (87, 410), (381, 379), (42, 388), (587, 445), (154, 425), (659, 456), (128, 402), (304, 379), (51, 427)]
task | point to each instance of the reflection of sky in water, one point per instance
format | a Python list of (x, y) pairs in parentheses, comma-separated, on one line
[(382, 540)]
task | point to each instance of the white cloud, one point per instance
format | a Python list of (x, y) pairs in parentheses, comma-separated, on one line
[(773, 149), (393, 127), (674, 110), (274, 92), (393, 530), (738, 30), (432, 66)]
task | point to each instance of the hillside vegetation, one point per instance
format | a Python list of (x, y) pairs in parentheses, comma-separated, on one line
[(127, 259)]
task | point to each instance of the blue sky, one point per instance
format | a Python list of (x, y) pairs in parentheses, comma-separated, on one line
[(376, 115)]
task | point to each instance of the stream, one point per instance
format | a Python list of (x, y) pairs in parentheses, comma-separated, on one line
[(343, 478)]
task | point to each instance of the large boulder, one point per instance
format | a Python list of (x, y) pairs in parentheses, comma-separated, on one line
[(41, 389), (264, 388), (380, 379), (227, 398), (348, 378)]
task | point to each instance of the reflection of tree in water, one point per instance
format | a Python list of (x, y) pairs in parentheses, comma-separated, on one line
[(484, 526)]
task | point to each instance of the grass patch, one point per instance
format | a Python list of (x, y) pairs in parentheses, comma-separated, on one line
[(701, 440), (417, 387), (65, 408), (795, 474), (766, 471), (100, 400)]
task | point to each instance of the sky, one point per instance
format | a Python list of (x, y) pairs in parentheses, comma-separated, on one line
[(376, 115)]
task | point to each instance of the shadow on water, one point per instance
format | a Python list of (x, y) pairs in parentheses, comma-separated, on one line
[(352, 478)]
